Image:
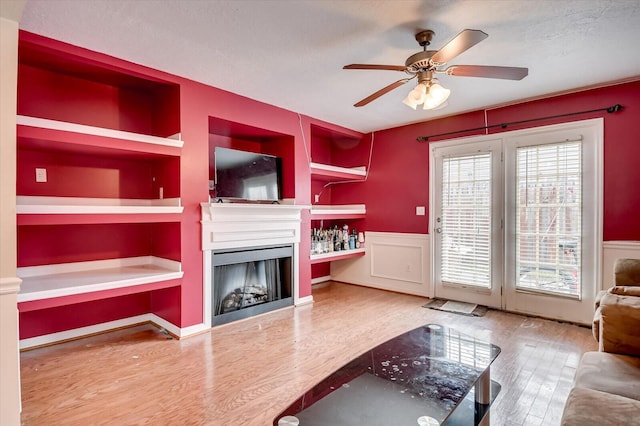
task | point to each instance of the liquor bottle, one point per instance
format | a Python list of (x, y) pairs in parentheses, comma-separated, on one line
[(330, 243), (345, 237)]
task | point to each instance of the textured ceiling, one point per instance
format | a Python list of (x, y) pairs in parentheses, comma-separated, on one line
[(290, 53)]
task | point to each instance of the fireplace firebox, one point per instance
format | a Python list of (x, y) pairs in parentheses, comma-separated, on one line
[(249, 282)]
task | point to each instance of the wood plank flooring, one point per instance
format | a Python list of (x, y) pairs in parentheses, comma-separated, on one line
[(245, 373)]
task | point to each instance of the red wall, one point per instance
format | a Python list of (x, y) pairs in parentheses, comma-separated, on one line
[(397, 181), (86, 242), (194, 105), (399, 176)]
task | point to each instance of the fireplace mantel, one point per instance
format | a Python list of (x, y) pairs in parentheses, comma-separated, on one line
[(231, 225), (243, 225)]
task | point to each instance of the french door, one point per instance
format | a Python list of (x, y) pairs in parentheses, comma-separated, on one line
[(516, 220), (467, 224)]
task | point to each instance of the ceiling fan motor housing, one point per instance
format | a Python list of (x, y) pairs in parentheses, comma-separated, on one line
[(420, 61)]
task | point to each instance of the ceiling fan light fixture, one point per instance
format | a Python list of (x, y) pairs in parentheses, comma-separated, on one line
[(416, 97), (436, 96), (411, 103)]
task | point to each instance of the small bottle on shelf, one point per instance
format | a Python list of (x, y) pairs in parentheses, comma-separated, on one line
[(345, 237), (330, 244)]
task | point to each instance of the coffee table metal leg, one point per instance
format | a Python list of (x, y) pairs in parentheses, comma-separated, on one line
[(483, 387), (483, 396)]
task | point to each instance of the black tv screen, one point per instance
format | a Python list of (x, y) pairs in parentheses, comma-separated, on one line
[(246, 175)]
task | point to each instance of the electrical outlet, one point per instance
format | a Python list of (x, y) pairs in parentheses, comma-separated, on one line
[(420, 211), (317, 198), (41, 175)]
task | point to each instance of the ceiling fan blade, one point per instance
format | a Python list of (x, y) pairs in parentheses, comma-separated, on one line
[(374, 67), (381, 92), (463, 41), (507, 73)]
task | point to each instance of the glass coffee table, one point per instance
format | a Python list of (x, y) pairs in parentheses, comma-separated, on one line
[(432, 375)]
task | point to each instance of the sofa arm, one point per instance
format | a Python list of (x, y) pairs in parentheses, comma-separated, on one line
[(625, 290), (619, 328)]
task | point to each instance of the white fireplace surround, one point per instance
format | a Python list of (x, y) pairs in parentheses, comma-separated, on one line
[(244, 225)]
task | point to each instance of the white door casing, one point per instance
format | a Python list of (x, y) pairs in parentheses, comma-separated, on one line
[(503, 292)]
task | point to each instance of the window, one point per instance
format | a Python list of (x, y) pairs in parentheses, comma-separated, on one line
[(466, 220), (548, 217)]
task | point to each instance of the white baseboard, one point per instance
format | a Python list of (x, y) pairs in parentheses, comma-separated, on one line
[(192, 330), (76, 333), (304, 300), (175, 330), (320, 280)]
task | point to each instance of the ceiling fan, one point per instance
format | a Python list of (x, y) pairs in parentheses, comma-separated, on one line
[(424, 65)]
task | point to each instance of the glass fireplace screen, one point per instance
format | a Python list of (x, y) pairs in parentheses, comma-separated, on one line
[(246, 278)]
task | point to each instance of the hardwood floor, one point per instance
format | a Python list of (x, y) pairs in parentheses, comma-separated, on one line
[(245, 373)]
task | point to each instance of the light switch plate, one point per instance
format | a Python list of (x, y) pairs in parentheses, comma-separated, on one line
[(41, 175), (420, 211)]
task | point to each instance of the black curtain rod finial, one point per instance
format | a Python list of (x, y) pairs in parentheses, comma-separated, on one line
[(615, 108)]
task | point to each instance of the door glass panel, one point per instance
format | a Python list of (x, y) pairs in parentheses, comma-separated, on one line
[(548, 218), (466, 220)]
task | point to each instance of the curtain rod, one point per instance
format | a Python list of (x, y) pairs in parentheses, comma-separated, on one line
[(611, 109)]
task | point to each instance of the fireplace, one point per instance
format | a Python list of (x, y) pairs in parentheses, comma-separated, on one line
[(251, 255), (250, 282)]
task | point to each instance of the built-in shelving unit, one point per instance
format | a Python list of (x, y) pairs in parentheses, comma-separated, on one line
[(98, 179), (334, 150)]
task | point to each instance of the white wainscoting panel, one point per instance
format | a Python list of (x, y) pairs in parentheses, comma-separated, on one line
[(612, 250), (393, 261)]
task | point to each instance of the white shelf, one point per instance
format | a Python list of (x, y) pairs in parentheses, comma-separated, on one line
[(48, 281), (174, 141), (337, 255), (338, 173), (77, 205), (338, 211)]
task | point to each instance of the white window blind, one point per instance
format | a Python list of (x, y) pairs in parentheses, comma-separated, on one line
[(548, 217), (466, 220)]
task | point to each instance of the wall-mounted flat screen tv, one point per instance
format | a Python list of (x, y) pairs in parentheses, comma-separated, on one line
[(243, 175)]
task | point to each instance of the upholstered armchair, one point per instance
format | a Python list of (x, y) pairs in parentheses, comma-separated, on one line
[(616, 323)]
